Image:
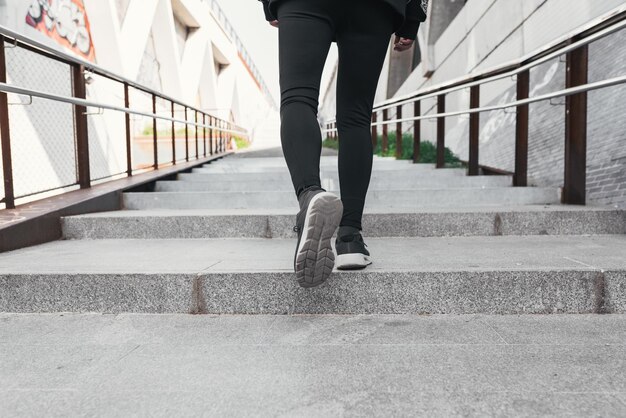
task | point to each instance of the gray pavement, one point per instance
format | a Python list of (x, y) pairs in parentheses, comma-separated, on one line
[(60, 365)]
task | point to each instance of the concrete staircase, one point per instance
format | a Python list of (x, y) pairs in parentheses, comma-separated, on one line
[(219, 240)]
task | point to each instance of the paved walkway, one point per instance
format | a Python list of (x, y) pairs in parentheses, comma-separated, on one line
[(319, 366)]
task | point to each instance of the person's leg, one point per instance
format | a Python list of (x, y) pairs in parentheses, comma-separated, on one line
[(305, 33), (363, 36)]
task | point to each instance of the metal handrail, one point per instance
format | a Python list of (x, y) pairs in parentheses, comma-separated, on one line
[(536, 58), (7, 88), (484, 76), (214, 141), (576, 48), (36, 46), (560, 93)]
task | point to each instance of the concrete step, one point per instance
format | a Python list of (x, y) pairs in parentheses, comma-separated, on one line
[(243, 168), (378, 182), (390, 176), (325, 160), (460, 275), (277, 223), (313, 365), (417, 198)]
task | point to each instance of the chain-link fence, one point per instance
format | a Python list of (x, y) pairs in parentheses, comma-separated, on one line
[(70, 124), (42, 131)]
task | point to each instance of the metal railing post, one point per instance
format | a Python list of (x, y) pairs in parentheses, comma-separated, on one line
[(155, 136), (204, 133), (186, 136), (81, 125), (197, 138), (218, 140), (399, 133), (374, 131), (173, 110), (441, 131), (211, 135), (520, 177), (129, 159), (5, 135), (224, 135), (574, 185), (230, 134), (417, 131), (385, 144), (474, 131)]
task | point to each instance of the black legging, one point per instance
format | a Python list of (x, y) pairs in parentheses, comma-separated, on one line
[(362, 30)]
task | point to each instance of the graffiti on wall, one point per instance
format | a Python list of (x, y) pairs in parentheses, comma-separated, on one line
[(66, 22)]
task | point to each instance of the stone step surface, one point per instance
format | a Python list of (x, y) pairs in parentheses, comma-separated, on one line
[(415, 198), (330, 183), (391, 176), (304, 365), (225, 169), (278, 223), (459, 275)]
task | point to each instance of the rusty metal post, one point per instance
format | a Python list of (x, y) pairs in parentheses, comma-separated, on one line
[(374, 131), (186, 136), (5, 135), (218, 144), (173, 135), (385, 144), (225, 135), (211, 135), (129, 159), (223, 141), (204, 133), (197, 138), (81, 125), (155, 135), (441, 131), (399, 133), (574, 185), (520, 177), (417, 131), (474, 131)]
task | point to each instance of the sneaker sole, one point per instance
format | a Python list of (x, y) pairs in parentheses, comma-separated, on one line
[(315, 258), (353, 261)]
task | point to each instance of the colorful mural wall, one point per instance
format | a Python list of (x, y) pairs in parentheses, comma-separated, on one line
[(64, 21)]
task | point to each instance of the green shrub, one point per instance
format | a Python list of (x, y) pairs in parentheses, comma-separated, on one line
[(241, 142), (428, 150)]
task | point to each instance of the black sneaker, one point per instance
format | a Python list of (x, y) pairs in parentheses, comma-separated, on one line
[(351, 251), (316, 223)]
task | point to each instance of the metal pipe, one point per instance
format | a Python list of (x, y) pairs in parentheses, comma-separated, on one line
[(574, 185), (155, 144), (441, 131), (520, 176), (561, 93), (517, 69), (399, 133), (81, 126), (417, 132), (474, 132), (129, 162), (5, 136), (7, 88)]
